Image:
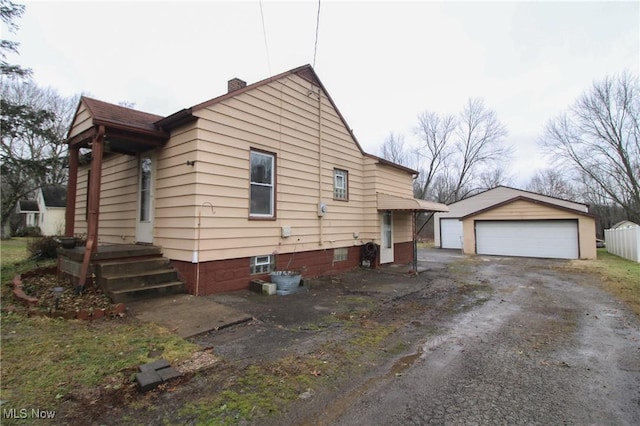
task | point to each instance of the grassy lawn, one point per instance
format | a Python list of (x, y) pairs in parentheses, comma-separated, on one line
[(14, 259), (620, 276), (13, 250), (44, 360)]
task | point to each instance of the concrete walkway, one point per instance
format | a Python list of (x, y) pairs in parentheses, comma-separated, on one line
[(187, 315)]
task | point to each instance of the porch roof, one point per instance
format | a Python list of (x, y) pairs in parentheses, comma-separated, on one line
[(393, 202), (127, 131)]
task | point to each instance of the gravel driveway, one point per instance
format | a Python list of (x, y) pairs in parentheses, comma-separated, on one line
[(548, 348), (474, 341)]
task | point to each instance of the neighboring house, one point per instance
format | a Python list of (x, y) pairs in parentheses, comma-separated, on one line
[(513, 222), (47, 211), (267, 176), (29, 213)]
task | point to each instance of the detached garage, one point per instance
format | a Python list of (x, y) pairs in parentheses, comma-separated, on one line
[(505, 221), (530, 238), (528, 227)]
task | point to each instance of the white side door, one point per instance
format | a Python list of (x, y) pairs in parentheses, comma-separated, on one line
[(146, 178), (386, 237), (450, 234)]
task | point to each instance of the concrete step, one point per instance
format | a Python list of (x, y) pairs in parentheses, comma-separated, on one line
[(146, 292), (137, 279), (125, 267)]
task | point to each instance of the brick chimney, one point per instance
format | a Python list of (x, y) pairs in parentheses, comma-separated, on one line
[(235, 84)]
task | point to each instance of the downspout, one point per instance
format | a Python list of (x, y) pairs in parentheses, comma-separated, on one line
[(197, 256), (414, 226), (320, 216), (94, 204)]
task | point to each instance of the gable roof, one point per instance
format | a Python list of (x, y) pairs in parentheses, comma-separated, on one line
[(305, 72), (624, 224), (127, 128), (519, 190), (118, 116), (500, 194), (28, 206), (54, 195), (530, 200)]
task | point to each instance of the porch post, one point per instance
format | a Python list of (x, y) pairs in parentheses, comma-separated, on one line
[(72, 185), (94, 203)]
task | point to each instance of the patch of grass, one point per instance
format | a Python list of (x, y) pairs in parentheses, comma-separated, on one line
[(13, 250), (46, 360), (259, 391), (14, 260), (619, 276)]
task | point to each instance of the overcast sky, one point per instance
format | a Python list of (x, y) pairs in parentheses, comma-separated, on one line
[(382, 62)]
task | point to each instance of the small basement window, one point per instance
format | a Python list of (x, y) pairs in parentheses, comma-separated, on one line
[(262, 264), (340, 254)]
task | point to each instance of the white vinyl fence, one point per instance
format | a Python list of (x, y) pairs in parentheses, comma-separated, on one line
[(624, 242)]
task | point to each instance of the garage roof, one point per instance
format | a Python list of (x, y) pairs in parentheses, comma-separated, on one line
[(392, 202), (531, 200)]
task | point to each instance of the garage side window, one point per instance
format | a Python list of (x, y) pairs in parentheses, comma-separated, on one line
[(262, 185)]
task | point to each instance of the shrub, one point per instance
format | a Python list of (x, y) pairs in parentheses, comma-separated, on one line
[(43, 247), (29, 231)]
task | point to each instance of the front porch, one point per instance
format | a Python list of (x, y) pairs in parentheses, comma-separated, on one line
[(125, 272)]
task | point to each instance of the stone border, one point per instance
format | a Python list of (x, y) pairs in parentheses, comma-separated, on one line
[(83, 314)]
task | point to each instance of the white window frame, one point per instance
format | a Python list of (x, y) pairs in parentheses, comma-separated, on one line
[(271, 185), (262, 264), (340, 184)]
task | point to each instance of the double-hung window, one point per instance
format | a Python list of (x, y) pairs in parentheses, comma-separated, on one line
[(340, 184), (262, 190)]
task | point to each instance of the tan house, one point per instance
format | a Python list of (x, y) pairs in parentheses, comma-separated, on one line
[(267, 176), (513, 222)]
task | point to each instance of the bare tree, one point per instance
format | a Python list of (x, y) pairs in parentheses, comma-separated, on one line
[(394, 149), (480, 143), (32, 148), (598, 140), (554, 183), (435, 148)]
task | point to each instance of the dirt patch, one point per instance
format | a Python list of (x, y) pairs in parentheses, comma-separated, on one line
[(491, 340), (70, 300)]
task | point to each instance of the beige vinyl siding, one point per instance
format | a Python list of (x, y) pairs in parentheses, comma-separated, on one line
[(175, 196), (278, 118), (118, 199), (81, 122), (389, 180)]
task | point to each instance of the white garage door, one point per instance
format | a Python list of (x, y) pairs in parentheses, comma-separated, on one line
[(530, 238), (450, 233)]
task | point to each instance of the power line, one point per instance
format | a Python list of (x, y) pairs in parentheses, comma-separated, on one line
[(315, 47), (264, 34)]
